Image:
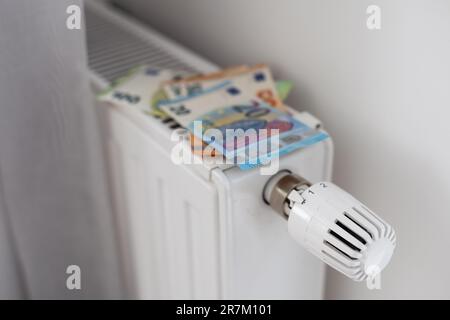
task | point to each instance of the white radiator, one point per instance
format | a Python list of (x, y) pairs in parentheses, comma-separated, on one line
[(192, 231)]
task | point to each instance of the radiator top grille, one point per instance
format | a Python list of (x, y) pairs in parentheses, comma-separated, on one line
[(113, 49)]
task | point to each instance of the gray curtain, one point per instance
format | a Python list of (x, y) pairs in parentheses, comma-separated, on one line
[(54, 209)]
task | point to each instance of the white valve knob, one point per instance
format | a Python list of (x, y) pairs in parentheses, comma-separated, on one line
[(332, 225)]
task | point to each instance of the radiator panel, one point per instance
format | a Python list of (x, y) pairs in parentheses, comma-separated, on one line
[(168, 220), (264, 261), (192, 232)]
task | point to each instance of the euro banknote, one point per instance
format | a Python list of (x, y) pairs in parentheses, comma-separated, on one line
[(232, 98), (139, 86), (253, 82), (253, 133)]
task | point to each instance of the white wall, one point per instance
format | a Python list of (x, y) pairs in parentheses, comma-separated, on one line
[(383, 95), (54, 209)]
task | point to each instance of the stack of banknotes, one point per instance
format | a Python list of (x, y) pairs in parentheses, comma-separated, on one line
[(236, 113)]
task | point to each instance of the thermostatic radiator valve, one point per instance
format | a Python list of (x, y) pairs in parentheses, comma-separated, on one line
[(332, 225)]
